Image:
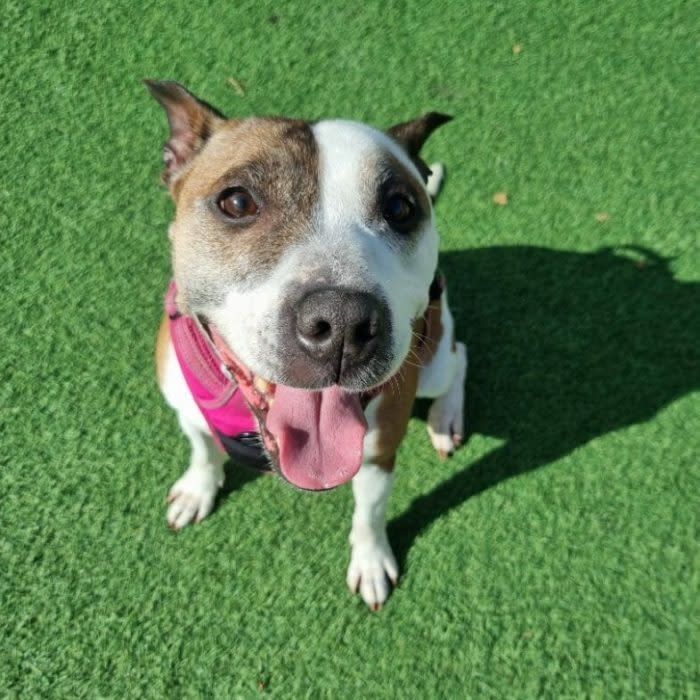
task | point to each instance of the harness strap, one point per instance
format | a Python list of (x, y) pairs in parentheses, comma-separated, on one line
[(216, 394)]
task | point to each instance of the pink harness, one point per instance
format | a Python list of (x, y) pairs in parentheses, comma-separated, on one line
[(231, 421)]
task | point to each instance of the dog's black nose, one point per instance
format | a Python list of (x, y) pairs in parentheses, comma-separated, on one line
[(340, 327)]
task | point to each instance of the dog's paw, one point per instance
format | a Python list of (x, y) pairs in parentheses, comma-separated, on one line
[(446, 415), (446, 430), (372, 566), (192, 496)]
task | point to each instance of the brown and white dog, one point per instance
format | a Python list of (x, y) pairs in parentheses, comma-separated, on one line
[(308, 253)]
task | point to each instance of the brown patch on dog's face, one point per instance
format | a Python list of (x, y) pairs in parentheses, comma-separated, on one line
[(274, 161)]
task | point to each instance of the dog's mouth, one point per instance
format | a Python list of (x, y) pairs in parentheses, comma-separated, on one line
[(314, 438)]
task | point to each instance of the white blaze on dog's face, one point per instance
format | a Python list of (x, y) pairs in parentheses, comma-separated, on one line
[(306, 250)]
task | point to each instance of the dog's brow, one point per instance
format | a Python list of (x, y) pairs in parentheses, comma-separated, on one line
[(252, 172), (391, 168)]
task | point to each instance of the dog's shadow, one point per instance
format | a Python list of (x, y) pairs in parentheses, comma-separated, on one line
[(236, 476), (563, 347)]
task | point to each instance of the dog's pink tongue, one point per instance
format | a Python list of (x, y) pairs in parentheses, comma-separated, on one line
[(319, 435)]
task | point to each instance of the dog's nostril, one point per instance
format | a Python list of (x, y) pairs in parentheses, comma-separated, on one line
[(321, 330), (314, 330), (364, 332)]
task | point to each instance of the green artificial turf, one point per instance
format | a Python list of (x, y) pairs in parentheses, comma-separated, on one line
[(556, 555)]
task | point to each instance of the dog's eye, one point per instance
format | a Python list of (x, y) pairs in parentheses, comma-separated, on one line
[(237, 203), (399, 210)]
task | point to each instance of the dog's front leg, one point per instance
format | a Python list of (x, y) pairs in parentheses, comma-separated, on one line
[(443, 379), (372, 560), (192, 496)]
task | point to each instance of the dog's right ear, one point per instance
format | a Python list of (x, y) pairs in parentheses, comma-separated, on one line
[(192, 121), (413, 134)]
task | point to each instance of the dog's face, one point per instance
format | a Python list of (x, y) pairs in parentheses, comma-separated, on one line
[(306, 250)]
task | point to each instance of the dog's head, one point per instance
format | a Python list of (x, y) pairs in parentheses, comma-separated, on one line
[(306, 250)]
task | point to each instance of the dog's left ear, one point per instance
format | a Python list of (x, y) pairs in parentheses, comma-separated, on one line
[(413, 134), (191, 120)]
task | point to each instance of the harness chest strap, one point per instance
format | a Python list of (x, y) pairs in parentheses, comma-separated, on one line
[(216, 394)]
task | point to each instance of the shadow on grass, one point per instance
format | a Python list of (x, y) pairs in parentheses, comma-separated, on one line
[(563, 347), (236, 476)]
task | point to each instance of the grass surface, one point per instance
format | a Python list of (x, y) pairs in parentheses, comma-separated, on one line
[(556, 555)]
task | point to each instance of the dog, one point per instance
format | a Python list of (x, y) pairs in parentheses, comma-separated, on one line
[(306, 312)]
